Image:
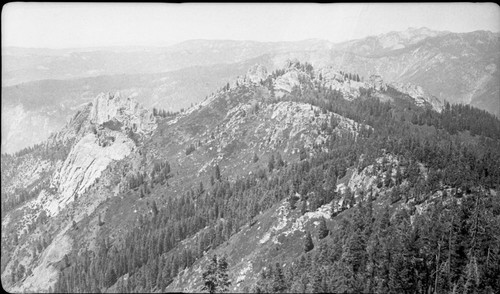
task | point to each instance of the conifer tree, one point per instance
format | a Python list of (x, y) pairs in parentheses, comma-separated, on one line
[(209, 276), (278, 284), (308, 243), (303, 208), (279, 160), (270, 164), (215, 278), (322, 230), (292, 200), (217, 172), (223, 281)]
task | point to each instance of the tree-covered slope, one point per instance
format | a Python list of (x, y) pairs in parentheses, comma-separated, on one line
[(247, 173)]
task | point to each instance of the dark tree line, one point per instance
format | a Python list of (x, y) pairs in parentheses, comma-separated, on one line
[(163, 113)]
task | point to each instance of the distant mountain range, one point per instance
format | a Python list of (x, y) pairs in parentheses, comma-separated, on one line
[(39, 86)]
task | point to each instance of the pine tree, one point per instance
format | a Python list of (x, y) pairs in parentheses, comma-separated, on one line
[(303, 208), (292, 200), (278, 283), (279, 160), (302, 153), (270, 164), (223, 281), (99, 221), (317, 280), (308, 243), (217, 172), (322, 230), (201, 189), (154, 208), (209, 276), (110, 277), (215, 278)]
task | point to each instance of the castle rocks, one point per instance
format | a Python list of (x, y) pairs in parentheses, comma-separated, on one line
[(97, 146), (127, 111), (257, 73)]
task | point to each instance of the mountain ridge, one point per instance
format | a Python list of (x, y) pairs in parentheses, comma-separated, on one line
[(456, 67), (100, 191)]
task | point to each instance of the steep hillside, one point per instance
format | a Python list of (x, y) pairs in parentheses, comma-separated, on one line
[(124, 199)]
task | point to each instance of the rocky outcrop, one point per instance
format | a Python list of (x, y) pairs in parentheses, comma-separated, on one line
[(419, 95), (257, 73), (127, 111), (331, 78), (293, 77), (329, 74), (377, 83), (85, 163), (285, 83)]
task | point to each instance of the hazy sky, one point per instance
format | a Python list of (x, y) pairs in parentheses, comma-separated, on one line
[(60, 25)]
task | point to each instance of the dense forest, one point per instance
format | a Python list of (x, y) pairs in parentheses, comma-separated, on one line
[(451, 246)]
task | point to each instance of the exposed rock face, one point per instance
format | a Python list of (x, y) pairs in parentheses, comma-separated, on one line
[(127, 111), (300, 121), (286, 82), (329, 74), (287, 125), (85, 163), (257, 73), (292, 77), (377, 83), (334, 79), (420, 96)]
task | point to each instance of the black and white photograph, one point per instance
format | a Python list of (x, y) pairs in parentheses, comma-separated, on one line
[(250, 147)]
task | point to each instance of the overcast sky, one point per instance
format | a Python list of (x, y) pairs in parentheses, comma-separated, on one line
[(59, 25)]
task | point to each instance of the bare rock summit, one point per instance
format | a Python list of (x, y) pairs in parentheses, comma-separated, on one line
[(127, 111)]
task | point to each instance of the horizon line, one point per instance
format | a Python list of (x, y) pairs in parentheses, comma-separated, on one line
[(170, 43)]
